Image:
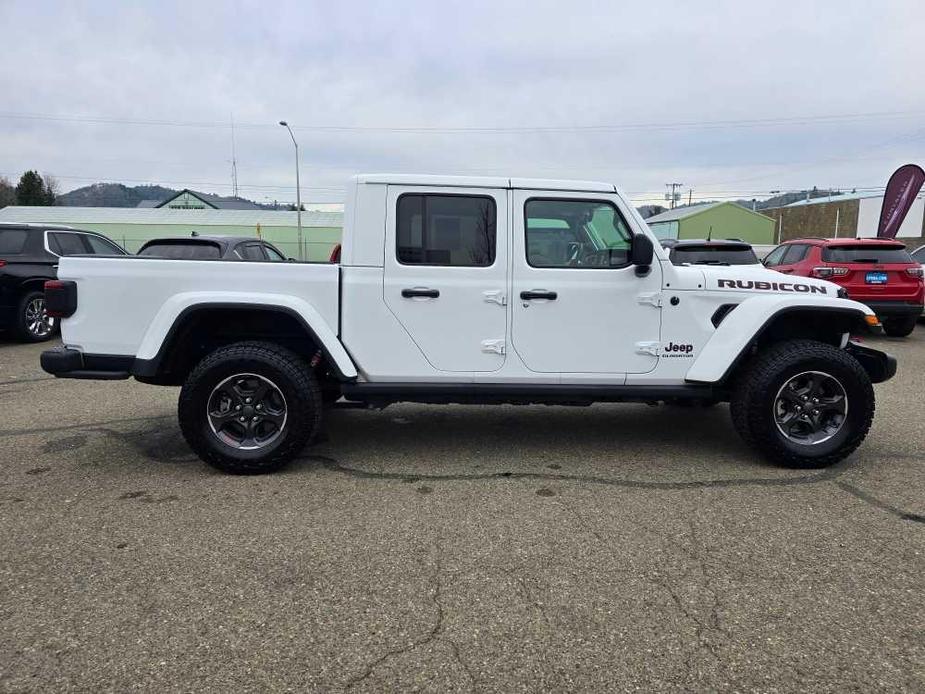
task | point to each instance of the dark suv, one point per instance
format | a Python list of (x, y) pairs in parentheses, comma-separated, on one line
[(28, 256)]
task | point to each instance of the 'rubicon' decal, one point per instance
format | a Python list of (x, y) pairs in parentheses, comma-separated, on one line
[(773, 286)]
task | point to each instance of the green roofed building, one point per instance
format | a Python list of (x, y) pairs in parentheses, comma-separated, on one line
[(715, 220), (130, 227)]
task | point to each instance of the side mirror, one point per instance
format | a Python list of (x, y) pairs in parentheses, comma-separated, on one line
[(641, 253)]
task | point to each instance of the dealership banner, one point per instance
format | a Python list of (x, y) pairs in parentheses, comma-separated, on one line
[(904, 185)]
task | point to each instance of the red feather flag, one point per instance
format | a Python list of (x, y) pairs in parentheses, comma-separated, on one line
[(904, 185)]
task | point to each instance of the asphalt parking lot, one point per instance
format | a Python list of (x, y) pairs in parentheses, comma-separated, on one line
[(611, 548)]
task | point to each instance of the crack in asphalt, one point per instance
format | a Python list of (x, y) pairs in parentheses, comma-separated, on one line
[(6, 433), (434, 593), (826, 475), (869, 498)]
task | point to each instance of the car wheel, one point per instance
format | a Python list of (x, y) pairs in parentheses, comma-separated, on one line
[(33, 324), (803, 404), (250, 407), (901, 326)]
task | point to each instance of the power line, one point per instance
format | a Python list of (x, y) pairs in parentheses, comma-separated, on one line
[(678, 125)]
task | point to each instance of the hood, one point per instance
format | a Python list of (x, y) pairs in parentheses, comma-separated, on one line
[(757, 278)]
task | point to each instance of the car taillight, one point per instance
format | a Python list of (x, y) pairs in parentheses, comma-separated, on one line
[(916, 272), (60, 298), (2, 263), (823, 272)]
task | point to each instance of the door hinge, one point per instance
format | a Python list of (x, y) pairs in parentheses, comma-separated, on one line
[(495, 296), (648, 348), (493, 346), (651, 298)]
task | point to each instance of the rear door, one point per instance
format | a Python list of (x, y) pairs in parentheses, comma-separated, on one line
[(445, 273), (578, 305), (789, 263)]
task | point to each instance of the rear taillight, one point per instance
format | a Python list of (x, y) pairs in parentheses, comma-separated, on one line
[(823, 272), (911, 271), (60, 298), (2, 263)]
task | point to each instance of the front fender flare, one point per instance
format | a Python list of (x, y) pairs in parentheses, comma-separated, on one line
[(748, 321)]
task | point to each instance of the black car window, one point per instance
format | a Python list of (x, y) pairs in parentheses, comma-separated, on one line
[(872, 253), (184, 250), (451, 230), (101, 246), (12, 241), (67, 243), (795, 253), (713, 255), (774, 257), (250, 251), (274, 255)]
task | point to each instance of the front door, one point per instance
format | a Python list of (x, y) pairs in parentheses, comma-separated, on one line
[(445, 274), (578, 305)]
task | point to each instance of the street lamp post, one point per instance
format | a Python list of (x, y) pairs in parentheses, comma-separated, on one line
[(298, 189)]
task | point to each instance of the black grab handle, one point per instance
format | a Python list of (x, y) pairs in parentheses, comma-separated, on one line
[(538, 294), (429, 293)]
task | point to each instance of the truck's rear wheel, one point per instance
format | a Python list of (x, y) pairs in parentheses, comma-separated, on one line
[(250, 407), (803, 404)]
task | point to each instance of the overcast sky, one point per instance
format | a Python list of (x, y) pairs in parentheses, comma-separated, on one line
[(728, 98)]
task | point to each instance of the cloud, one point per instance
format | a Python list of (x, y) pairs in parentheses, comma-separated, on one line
[(465, 65)]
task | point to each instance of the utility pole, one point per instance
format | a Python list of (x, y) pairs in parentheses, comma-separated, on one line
[(674, 197), (690, 196)]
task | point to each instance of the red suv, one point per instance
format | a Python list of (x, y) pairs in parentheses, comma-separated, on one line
[(876, 272)]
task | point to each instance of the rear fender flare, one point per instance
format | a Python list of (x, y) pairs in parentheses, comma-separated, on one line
[(179, 306)]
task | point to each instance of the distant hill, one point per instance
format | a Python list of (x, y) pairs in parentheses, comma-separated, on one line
[(119, 195)]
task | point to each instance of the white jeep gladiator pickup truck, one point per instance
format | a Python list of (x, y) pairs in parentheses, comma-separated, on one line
[(472, 290)]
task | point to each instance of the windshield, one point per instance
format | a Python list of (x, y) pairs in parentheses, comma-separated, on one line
[(866, 254), (182, 251), (713, 255)]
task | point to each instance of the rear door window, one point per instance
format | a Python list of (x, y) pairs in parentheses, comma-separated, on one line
[(12, 241), (67, 243), (449, 230), (866, 254), (795, 253)]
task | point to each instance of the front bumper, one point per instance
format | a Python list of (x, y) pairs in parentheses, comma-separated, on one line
[(64, 362), (880, 366), (893, 308)]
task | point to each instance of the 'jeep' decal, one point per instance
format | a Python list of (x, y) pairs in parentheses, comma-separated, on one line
[(773, 286)]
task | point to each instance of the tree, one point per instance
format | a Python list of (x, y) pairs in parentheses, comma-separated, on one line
[(52, 188), (7, 192), (32, 190)]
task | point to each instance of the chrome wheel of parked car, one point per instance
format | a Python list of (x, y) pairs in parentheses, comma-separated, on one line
[(247, 411), (810, 408), (37, 320)]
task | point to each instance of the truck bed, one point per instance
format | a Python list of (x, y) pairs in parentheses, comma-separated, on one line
[(126, 305)]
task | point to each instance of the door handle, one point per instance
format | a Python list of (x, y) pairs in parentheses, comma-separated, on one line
[(420, 291), (538, 294), (786, 272)]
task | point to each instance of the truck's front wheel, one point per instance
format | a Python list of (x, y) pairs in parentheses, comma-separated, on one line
[(250, 407), (803, 404)]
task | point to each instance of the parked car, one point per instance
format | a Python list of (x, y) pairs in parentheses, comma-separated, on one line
[(474, 290), (876, 272), (28, 257), (714, 252), (212, 248)]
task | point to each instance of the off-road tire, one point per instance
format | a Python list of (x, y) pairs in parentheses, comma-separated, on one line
[(755, 391), (291, 374), (21, 326), (900, 326)]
